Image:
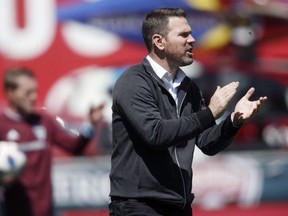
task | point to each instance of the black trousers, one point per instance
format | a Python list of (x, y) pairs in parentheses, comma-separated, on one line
[(135, 207)]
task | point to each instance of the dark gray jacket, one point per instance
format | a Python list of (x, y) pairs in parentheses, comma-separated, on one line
[(154, 140)]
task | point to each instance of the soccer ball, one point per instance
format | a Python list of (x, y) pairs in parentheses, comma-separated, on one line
[(12, 160)]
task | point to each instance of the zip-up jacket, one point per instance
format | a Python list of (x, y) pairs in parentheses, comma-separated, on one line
[(154, 140)]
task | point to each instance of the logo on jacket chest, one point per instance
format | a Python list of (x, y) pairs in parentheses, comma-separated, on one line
[(12, 135), (38, 131), (36, 138)]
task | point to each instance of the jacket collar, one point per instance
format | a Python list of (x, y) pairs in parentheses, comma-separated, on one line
[(183, 88), (148, 68)]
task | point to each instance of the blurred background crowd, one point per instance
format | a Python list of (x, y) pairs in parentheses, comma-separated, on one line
[(78, 48)]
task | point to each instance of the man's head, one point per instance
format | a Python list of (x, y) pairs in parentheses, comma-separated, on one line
[(156, 22), (167, 34), (21, 87)]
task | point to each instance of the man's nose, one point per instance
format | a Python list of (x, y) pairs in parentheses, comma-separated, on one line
[(191, 39)]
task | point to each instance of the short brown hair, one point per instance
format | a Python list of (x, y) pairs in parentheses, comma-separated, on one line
[(11, 74), (156, 23)]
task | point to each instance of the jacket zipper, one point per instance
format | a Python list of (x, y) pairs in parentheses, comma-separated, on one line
[(183, 182), (175, 150), (176, 156)]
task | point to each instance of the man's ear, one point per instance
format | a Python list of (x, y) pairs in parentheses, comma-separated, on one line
[(158, 41)]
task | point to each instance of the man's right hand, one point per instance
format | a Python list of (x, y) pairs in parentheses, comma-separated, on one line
[(221, 97)]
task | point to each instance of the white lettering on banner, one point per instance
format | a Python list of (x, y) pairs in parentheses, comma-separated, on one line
[(276, 136), (86, 40), (35, 37), (81, 189), (228, 179)]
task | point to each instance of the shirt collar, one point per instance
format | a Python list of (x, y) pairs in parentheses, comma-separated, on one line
[(159, 70), (11, 114), (162, 73)]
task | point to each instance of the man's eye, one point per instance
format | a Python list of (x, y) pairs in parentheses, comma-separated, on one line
[(185, 34)]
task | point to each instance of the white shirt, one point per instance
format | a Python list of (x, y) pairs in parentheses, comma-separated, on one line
[(170, 84)]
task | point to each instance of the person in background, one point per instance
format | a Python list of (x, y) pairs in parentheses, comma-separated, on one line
[(35, 131), (159, 116)]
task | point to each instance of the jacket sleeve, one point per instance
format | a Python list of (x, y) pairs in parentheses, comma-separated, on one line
[(218, 137), (134, 103), (71, 142)]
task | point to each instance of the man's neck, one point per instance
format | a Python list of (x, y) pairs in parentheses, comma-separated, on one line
[(163, 63)]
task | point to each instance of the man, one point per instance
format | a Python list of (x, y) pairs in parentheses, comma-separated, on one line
[(35, 131), (158, 118)]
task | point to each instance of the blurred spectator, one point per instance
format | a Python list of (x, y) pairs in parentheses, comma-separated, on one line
[(35, 131)]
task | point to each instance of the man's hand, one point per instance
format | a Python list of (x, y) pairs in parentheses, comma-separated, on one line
[(221, 97), (96, 114), (245, 109)]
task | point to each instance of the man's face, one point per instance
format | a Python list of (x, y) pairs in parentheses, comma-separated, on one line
[(23, 98), (179, 42)]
